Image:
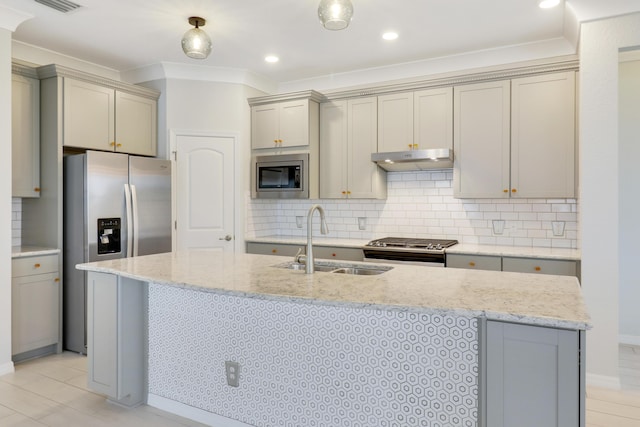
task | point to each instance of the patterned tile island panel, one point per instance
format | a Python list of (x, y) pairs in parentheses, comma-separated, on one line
[(312, 364)]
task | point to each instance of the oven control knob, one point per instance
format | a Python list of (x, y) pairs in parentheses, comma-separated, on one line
[(430, 246), (438, 246)]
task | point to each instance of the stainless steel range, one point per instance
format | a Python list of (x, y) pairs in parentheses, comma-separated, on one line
[(406, 250)]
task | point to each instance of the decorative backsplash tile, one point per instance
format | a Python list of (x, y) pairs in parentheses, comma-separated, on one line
[(311, 364), (421, 204), (16, 221)]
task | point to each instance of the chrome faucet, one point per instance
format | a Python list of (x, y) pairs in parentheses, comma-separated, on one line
[(323, 229)]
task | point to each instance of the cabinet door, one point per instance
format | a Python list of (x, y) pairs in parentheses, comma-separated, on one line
[(136, 124), (294, 123), (343, 254), (272, 249), (34, 311), (395, 122), (481, 140), (474, 262), (364, 178), (543, 136), (540, 266), (532, 376), (264, 126), (25, 136), (333, 150), (433, 118), (88, 116)]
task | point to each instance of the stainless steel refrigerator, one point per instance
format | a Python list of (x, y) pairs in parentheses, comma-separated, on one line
[(115, 206)]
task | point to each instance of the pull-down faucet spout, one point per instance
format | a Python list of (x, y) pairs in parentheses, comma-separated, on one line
[(323, 229)]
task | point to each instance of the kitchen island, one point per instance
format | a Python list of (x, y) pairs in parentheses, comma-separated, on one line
[(411, 346)]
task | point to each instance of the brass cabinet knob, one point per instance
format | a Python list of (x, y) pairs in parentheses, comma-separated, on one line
[(348, 192), (333, 255), (118, 145), (37, 189), (57, 279), (415, 146), (344, 192), (273, 251), (36, 266), (536, 268), (112, 144), (513, 190), (410, 146), (472, 264), (505, 190)]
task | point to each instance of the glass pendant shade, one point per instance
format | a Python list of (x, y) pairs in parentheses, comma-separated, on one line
[(335, 14), (195, 42)]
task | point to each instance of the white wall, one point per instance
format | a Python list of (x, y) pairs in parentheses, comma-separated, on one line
[(629, 209), (5, 202), (600, 42)]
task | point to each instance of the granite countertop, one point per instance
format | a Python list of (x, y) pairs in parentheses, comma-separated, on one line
[(28, 251), (460, 248), (545, 300)]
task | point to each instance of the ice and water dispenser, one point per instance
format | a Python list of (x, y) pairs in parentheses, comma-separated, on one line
[(109, 236)]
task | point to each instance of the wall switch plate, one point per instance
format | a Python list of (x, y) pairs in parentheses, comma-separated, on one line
[(232, 370)]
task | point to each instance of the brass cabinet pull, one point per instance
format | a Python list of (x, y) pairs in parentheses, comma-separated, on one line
[(118, 145), (415, 146), (273, 251), (505, 190), (348, 192), (410, 146), (472, 264), (112, 144), (36, 265), (57, 279), (344, 192), (513, 190), (536, 268), (37, 189)]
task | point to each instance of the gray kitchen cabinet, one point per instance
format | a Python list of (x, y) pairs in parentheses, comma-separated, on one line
[(284, 124), (540, 266), (35, 306), (116, 341), (543, 144), (476, 262), (320, 252), (348, 136), (102, 118), (481, 140), (516, 138), (25, 136), (533, 376), (415, 120)]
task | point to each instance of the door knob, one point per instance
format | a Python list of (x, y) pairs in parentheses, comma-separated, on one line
[(227, 237)]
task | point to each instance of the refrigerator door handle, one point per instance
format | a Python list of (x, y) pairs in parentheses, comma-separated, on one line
[(136, 215), (127, 204)]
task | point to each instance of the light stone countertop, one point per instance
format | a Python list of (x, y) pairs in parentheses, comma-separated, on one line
[(29, 251), (544, 300), (460, 248)]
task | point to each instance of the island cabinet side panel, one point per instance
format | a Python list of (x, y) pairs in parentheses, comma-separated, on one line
[(532, 376), (306, 364)]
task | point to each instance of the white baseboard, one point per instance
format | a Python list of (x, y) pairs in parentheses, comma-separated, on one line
[(629, 339), (6, 368), (192, 413), (603, 381)]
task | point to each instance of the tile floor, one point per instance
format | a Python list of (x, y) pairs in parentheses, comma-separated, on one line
[(52, 392)]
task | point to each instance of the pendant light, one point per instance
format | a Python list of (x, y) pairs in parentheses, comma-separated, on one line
[(335, 14), (195, 42)]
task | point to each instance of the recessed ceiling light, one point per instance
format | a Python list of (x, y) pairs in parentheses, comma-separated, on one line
[(547, 4), (390, 35), (271, 58)]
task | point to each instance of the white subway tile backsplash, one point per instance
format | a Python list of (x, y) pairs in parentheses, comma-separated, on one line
[(16, 221), (421, 204)]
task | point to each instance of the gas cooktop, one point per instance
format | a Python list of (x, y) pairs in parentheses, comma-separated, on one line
[(410, 244)]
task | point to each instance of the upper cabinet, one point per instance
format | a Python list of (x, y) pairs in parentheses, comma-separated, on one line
[(543, 136), (348, 136), (415, 120), (25, 136), (281, 123), (103, 118), (516, 138)]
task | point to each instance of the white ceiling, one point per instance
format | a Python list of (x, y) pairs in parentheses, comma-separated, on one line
[(125, 35)]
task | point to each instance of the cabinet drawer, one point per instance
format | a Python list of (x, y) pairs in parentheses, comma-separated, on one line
[(540, 266), (476, 262), (345, 254), (34, 265), (272, 249)]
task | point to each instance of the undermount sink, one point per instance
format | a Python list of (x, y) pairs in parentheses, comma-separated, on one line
[(342, 268)]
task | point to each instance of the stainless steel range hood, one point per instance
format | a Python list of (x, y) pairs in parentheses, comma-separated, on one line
[(437, 158)]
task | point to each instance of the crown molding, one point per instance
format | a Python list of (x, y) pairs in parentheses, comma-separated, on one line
[(23, 70), (312, 95), (55, 70)]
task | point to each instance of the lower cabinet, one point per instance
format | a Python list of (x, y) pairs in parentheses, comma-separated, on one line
[(515, 264), (534, 376), (319, 252), (35, 306), (116, 337)]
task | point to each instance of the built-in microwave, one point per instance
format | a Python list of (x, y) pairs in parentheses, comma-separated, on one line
[(281, 176)]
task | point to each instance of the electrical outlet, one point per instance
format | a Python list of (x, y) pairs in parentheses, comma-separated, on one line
[(233, 373)]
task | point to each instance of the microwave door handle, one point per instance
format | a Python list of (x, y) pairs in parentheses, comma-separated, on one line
[(127, 204)]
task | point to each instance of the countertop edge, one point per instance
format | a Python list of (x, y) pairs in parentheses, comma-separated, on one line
[(30, 251)]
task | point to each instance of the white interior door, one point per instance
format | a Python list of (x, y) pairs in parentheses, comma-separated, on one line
[(204, 192)]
